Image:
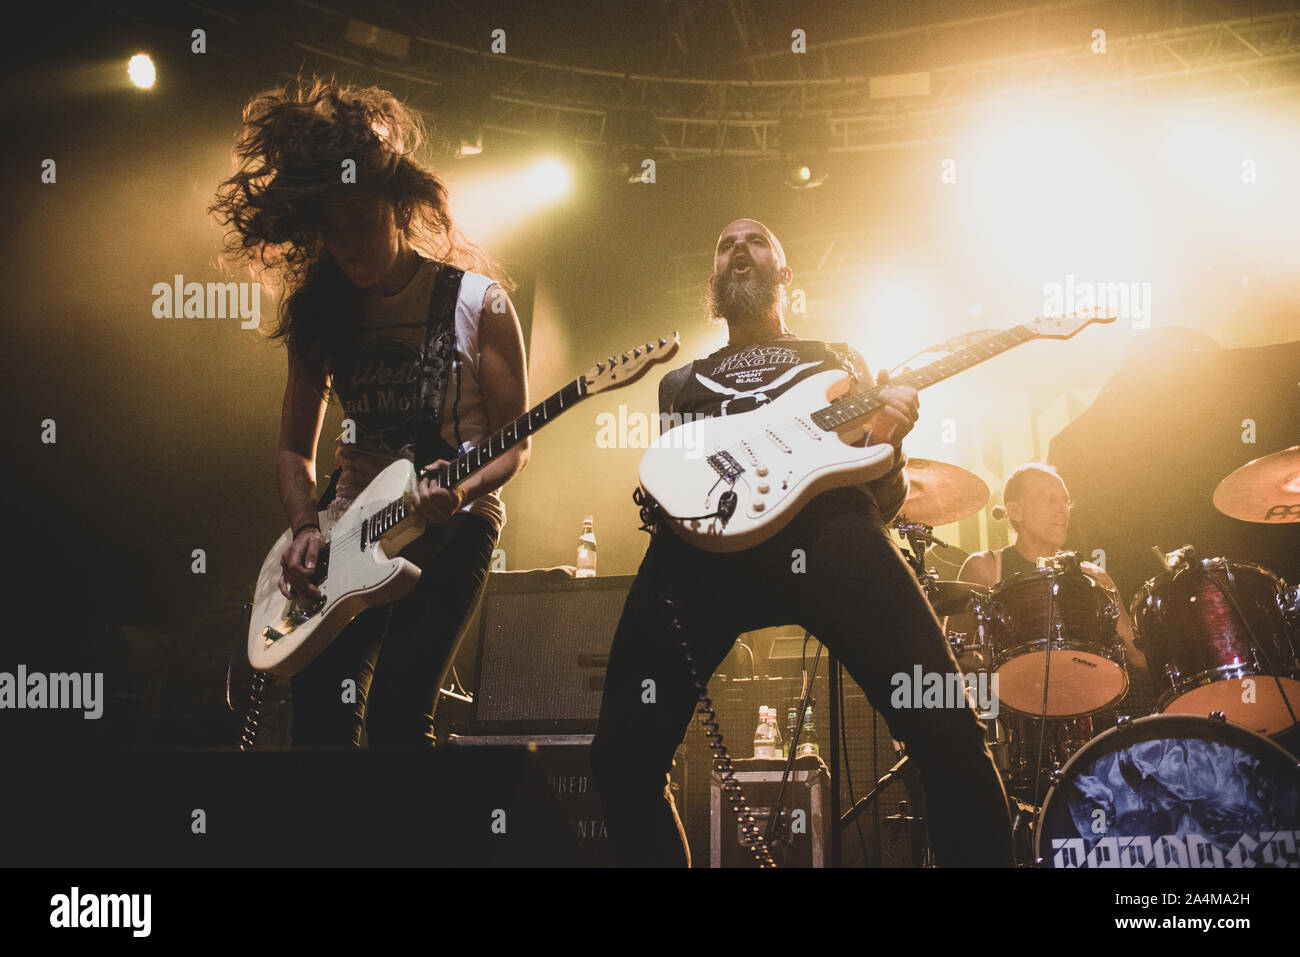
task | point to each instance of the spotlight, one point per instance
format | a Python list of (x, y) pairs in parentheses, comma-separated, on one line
[(550, 179), (141, 71), (471, 143), (806, 176), (805, 144)]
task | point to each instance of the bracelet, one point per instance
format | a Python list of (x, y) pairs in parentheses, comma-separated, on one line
[(298, 531)]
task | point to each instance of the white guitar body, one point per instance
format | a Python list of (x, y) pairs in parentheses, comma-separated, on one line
[(285, 634), (783, 461), (361, 565)]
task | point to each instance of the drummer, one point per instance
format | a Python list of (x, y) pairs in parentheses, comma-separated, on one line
[(1037, 504)]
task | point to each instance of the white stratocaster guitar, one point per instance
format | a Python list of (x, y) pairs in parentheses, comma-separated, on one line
[(727, 483), (358, 566)]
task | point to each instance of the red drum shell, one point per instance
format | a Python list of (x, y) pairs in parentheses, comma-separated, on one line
[(1087, 670), (1195, 624)]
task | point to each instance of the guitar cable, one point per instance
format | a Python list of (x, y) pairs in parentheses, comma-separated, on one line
[(752, 838), (258, 686), (648, 506)]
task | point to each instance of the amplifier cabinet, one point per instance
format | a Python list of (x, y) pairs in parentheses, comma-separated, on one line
[(543, 648)]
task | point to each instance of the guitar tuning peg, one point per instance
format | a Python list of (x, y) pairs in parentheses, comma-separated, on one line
[(612, 361), (636, 352), (600, 368)]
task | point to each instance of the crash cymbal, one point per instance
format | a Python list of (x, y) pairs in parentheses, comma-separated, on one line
[(952, 598), (940, 493), (1266, 490)]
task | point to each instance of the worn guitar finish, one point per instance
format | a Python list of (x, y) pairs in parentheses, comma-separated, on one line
[(359, 566), (727, 483)]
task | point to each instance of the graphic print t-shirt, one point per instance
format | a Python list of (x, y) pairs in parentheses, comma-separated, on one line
[(738, 379), (735, 380), (376, 388)]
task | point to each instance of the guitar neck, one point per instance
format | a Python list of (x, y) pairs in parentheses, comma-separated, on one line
[(855, 405), (505, 438), (480, 456)]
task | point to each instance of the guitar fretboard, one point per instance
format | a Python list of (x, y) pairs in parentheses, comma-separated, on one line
[(499, 442), (508, 436), (857, 404)]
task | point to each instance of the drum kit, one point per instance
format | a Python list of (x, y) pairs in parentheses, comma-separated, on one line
[(1204, 782)]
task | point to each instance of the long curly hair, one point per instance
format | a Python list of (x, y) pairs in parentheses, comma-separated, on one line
[(288, 159)]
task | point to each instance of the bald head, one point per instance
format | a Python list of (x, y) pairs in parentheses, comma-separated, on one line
[(743, 227)]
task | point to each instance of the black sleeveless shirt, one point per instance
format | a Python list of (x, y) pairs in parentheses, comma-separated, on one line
[(1013, 563)]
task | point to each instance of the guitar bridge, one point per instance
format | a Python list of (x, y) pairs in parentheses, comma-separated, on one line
[(726, 466)]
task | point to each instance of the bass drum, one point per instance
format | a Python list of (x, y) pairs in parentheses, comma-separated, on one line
[(1174, 791)]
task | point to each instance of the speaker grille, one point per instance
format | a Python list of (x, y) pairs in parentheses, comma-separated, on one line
[(543, 652)]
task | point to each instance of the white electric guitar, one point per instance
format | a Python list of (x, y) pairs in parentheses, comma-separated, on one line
[(358, 566), (727, 483)]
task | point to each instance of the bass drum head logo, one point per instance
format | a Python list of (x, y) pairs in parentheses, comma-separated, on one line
[(1174, 791)]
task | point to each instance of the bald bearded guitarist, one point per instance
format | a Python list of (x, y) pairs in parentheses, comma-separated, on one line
[(852, 590)]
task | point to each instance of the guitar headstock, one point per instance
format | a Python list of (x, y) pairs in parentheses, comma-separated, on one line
[(618, 371), (1065, 327)]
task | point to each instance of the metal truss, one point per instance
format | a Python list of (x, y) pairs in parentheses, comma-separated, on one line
[(693, 116)]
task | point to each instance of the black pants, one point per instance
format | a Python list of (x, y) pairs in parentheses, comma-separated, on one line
[(393, 694), (836, 572)]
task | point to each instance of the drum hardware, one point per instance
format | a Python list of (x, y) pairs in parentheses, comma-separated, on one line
[(919, 537)]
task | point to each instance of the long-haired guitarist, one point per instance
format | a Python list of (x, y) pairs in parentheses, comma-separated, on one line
[(834, 570), (387, 305)]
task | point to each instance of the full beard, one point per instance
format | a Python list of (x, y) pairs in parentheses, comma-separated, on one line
[(743, 300)]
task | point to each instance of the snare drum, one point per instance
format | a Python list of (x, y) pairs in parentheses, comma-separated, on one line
[(1025, 624), (1196, 623), (1174, 791)]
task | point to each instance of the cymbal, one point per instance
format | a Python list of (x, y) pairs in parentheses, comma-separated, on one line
[(1266, 490), (940, 493), (952, 598)]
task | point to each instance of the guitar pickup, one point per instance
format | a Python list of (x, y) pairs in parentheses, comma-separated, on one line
[(726, 466), (270, 634)]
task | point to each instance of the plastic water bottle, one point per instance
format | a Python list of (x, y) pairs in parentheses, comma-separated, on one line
[(587, 549), (764, 743), (778, 744)]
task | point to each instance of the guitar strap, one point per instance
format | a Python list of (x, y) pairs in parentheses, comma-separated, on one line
[(436, 367)]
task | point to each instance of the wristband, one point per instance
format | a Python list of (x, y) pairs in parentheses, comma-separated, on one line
[(298, 531)]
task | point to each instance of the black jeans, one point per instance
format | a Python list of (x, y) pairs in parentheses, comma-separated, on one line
[(836, 572), (395, 692)]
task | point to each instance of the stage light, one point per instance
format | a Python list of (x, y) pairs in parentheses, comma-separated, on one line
[(141, 71), (804, 176), (471, 144), (550, 179), (489, 201), (894, 313), (805, 143)]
